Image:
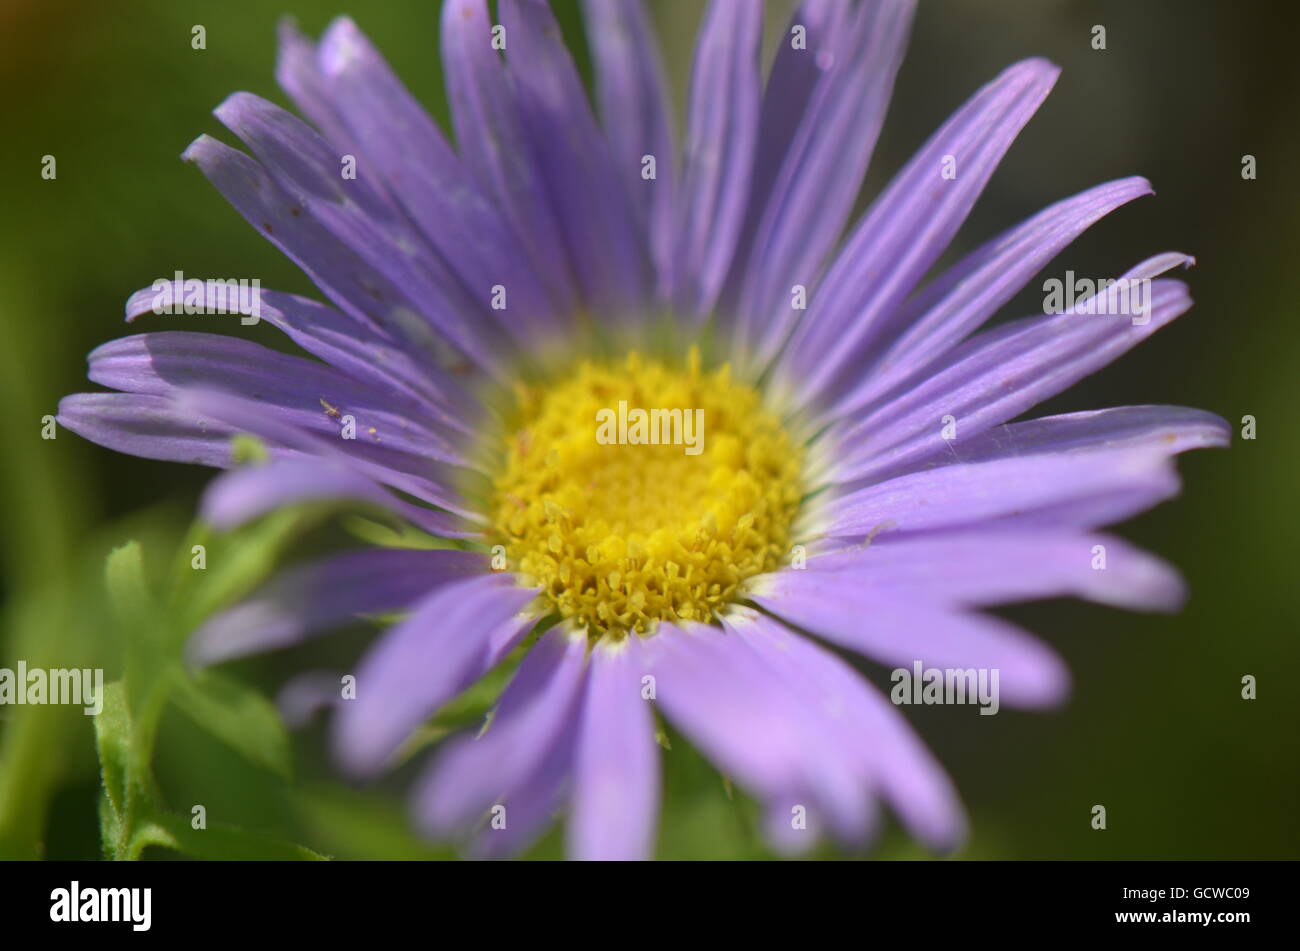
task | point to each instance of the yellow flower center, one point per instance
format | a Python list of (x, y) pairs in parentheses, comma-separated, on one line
[(638, 492)]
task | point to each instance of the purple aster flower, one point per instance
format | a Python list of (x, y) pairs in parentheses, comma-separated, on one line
[(855, 481)]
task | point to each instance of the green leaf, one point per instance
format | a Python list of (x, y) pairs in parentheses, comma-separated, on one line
[(404, 535), (124, 772), (217, 841), (247, 449), (357, 824), (127, 589), (239, 716), (238, 562), (113, 742)]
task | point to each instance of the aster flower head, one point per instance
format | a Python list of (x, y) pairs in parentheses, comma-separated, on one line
[(690, 434)]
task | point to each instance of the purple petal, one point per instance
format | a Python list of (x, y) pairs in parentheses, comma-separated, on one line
[(1170, 429), (835, 790), (298, 73), (632, 92), (452, 637), (308, 694), (616, 766), (427, 480), (424, 175), (244, 494), (606, 251), (740, 711), (359, 289), (530, 806), (795, 75), (907, 228), (814, 194), (993, 377), (494, 145), (312, 599), (779, 828), (971, 291), (970, 493), (537, 713), (722, 130), (297, 392), (153, 427), (897, 631), (983, 567), (873, 738), (309, 170), (356, 348)]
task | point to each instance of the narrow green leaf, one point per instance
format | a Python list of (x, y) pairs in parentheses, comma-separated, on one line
[(358, 824), (404, 535), (127, 589), (238, 562), (237, 715), (113, 742), (218, 841)]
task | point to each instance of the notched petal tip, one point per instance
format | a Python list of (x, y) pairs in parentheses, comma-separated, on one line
[(200, 149), (1140, 182)]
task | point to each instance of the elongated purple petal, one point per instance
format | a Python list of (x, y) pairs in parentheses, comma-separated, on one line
[(300, 393), (969, 493), (313, 599), (537, 712), (153, 427), (311, 172), (494, 144), (796, 72), (740, 711), (430, 481), (357, 288), (994, 377), (697, 688), (298, 72), (907, 228), (356, 348), (607, 252), (985, 566), (895, 631), (834, 788), (971, 291), (632, 92), (244, 494), (872, 737), (425, 176), (529, 806), (452, 637), (722, 129), (616, 766), (815, 191), (1171, 429)]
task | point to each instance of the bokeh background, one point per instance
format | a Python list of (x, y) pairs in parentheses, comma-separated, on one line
[(1156, 729)]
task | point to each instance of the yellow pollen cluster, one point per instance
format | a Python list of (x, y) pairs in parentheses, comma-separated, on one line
[(621, 532)]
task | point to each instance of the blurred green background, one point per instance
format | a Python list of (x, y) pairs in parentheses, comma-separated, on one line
[(1156, 729)]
